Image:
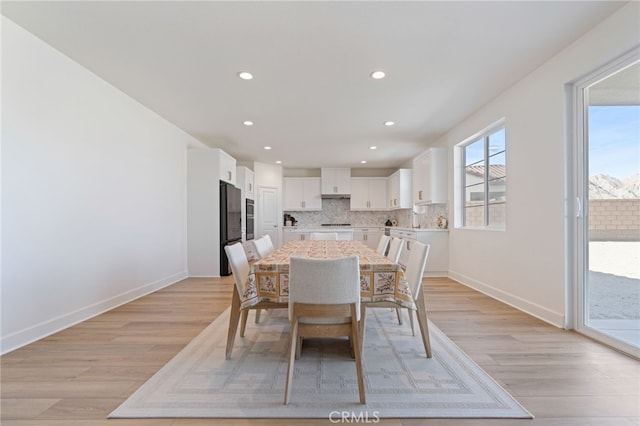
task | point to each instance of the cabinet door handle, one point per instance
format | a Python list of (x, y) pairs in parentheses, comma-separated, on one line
[(420, 195), (250, 187), (335, 189), (229, 175)]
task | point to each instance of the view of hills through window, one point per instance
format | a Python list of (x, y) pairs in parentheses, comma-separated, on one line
[(614, 152)]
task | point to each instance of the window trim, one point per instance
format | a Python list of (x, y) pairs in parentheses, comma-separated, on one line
[(460, 178)]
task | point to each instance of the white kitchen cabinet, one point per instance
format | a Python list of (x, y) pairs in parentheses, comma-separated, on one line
[(369, 236), (244, 179), (368, 193), (399, 190), (294, 235), (430, 177), (336, 181), (438, 260), (302, 194), (227, 168)]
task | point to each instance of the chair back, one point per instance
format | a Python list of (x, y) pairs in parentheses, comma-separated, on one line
[(239, 265), (395, 248), (415, 266), (323, 236), (383, 244), (262, 246), (324, 281)]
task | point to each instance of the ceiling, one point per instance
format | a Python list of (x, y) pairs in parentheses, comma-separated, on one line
[(312, 98)]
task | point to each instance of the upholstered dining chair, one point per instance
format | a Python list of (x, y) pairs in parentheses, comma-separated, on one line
[(323, 236), (383, 244), (240, 270), (324, 301), (262, 247), (395, 249), (413, 274)]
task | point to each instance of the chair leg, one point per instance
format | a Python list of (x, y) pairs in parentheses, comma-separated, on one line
[(355, 331), (258, 315), (399, 315), (243, 322), (299, 348), (413, 329), (233, 322), (292, 351), (422, 321), (361, 326)]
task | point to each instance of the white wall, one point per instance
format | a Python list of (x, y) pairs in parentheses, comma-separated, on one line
[(93, 193), (525, 266)]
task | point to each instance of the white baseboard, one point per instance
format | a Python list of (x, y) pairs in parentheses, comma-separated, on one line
[(28, 335), (540, 312)]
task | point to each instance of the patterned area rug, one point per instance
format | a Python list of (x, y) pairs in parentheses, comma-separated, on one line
[(400, 380)]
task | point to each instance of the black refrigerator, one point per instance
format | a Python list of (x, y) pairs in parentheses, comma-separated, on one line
[(230, 222)]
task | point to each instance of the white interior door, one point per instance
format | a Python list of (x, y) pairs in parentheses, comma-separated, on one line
[(269, 214)]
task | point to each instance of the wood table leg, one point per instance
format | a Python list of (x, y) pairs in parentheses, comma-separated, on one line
[(234, 318), (422, 321)]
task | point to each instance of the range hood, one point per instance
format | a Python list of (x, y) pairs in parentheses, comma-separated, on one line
[(336, 196)]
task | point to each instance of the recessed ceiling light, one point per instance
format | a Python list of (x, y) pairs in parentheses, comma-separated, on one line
[(389, 123), (278, 162), (373, 147), (248, 123), (364, 161), (267, 147), (377, 75), (245, 75)]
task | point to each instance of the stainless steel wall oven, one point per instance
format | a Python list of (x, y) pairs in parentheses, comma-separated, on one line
[(249, 220)]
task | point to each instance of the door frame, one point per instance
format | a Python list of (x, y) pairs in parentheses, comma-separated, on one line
[(576, 201)]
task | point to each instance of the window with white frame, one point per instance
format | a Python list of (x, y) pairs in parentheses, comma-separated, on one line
[(483, 179)]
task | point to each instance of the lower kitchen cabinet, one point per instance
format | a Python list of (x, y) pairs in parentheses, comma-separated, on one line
[(369, 236), (292, 235), (438, 260)]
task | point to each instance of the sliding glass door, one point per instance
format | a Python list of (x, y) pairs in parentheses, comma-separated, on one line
[(608, 205)]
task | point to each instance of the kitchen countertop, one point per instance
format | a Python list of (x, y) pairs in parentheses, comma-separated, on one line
[(354, 227), (400, 228)]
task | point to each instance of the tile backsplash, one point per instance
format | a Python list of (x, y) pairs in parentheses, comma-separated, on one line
[(337, 211)]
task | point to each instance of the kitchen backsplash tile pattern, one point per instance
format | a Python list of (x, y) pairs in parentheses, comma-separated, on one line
[(428, 216), (337, 211)]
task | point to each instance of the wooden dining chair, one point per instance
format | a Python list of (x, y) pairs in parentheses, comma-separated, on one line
[(383, 244), (395, 249), (413, 274), (323, 236), (324, 301), (240, 271)]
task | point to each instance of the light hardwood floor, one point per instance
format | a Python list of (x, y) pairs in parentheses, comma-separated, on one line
[(78, 376)]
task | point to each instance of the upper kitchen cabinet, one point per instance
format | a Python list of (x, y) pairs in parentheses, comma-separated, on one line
[(430, 177), (399, 190), (244, 178), (368, 194), (336, 181), (302, 194), (227, 168)]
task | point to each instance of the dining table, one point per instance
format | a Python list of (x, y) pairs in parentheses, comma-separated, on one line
[(382, 281)]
